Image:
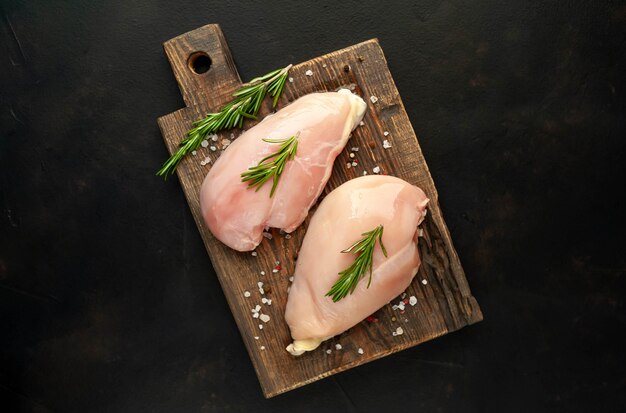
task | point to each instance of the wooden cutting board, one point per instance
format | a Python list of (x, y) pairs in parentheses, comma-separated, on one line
[(444, 300)]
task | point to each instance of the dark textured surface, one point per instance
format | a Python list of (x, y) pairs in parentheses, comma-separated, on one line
[(107, 298)]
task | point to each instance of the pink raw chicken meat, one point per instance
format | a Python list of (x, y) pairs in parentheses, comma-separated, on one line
[(353, 208), (237, 215)]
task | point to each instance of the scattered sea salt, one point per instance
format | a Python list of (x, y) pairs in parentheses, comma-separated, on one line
[(260, 326), (354, 164), (355, 149), (376, 169), (213, 137), (412, 300), (424, 282), (204, 143), (361, 123), (386, 144), (256, 337), (225, 143), (264, 317), (291, 80), (194, 153), (262, 347), (291, 279), (254, 253), (246, 294), (398, 332), (264, 300), (324, 65), (364, 173), (420, 233), (309, 72), (348, 165), (338, 346), (262, 273), (267, 235), (386, 133), (352, 155), (329, 351), (213, 148), (288, 236), (374, 99), (403, 295), (360, 350)]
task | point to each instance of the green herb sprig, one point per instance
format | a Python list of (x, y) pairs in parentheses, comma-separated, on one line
[(245, 105), (350, 277), (272, 165)]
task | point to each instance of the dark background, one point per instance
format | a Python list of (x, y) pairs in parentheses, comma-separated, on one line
[(108, 301)]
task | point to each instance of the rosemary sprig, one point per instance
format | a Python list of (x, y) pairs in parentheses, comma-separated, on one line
[(350, 277), (268, 168), (246, 104)]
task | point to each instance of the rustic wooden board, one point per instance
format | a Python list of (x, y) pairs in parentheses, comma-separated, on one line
[(444, 303)]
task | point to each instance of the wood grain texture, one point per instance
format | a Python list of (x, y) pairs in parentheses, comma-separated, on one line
[(445, 302)]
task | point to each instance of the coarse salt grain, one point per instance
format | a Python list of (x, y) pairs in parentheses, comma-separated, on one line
[(376, 169), (256, 337), (264, 300), (338, 346), (204, 143), (403, 295), (262, 347), (264, 317), (225, 143), (269, 302), (352, 155), (262, 273), (274, 270), (260, 326), (348, 165), (354, 164), (329, 351), (194, 153), (360, 350), (420, 233), (213, 137), (364, 173), (361, 123), (324, 65), (288, 236), (412, 300), (309, 72), (254, 253), (267, 235), (246, 294), (386, 133), (424, 282), (291, 80), (386, 144), (398, 332), (374, 99), (213, 148), (291, 279), (255, 315), (355, 149)]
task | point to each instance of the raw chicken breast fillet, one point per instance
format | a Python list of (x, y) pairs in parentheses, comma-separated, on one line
[(355, 207), (237, 215)]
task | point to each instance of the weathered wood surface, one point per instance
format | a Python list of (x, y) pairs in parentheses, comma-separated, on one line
[(445, 302)]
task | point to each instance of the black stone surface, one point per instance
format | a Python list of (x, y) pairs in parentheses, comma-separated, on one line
[(108, 302)]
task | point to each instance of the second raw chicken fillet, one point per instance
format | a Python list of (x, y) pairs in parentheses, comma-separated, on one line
[(354, 208), (236, 214)]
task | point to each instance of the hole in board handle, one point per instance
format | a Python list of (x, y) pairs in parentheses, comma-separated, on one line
[(199, 62)]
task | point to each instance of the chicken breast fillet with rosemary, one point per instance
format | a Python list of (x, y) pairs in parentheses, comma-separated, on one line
[(354, 208), (237, 214)]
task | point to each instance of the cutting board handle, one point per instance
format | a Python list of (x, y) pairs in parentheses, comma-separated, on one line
[(190, 54)]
